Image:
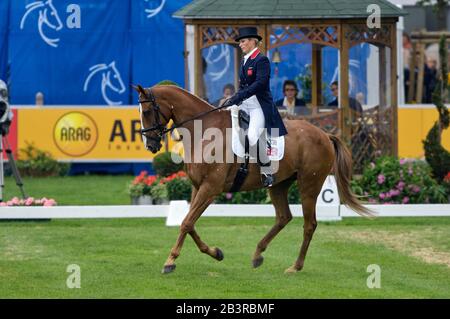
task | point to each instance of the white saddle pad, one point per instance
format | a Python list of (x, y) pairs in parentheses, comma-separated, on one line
[(277, 143)]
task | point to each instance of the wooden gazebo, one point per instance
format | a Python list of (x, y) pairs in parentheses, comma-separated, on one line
[(320, 23)]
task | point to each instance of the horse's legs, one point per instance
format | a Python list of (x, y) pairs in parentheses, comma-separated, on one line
[(279, 195), (309, 189), (200, 201)]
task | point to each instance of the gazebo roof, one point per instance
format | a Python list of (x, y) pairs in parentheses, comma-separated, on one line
[(285, 9)]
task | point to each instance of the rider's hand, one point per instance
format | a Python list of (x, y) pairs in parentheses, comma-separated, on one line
[(227, 103)]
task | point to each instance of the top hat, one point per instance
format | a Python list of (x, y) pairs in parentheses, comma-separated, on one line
[(248, 32)]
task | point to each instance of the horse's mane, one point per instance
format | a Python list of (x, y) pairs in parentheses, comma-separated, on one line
[(190, 95)]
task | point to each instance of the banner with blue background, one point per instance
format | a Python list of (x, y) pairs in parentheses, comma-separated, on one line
[(84, 52)]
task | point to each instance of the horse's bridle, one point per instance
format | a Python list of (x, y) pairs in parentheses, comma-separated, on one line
[(160, 128)]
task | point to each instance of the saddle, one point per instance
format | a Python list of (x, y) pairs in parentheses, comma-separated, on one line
[(241, 147)]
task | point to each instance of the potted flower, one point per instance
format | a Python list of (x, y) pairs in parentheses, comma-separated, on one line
[(140, 188), (160, 194)]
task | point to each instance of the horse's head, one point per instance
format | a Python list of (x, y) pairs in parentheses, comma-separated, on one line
[(112, 79), (155, 113), (49, 16)]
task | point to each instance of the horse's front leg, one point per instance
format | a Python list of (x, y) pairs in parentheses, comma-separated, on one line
[(199, 203)]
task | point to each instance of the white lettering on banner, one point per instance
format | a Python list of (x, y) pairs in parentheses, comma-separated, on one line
[(48, 17), (153, 12), (110, 79)]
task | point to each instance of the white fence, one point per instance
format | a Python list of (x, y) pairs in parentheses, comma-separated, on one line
[(176, 210)]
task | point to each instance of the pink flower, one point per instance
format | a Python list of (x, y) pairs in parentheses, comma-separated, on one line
[(382, 195), (394, 192), (29, 201), (416, 189), (2, 204), (401, 185), (15, 201), (405, 200), (50, 202), (381, 179), (229, 196)]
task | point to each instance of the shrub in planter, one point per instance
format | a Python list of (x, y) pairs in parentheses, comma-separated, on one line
[(159, 193), (164, 165), (179, 186), (38, 163), (392, 181)]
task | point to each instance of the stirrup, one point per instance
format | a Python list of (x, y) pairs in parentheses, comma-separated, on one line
[(267, 180)]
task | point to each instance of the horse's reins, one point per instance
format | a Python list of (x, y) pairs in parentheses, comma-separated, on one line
[(162, 129)]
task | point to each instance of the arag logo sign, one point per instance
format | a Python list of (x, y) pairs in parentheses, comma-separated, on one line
[(75, 134)]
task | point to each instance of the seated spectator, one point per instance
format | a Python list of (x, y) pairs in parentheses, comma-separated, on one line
[(290, 102), (228, 91), (430, 78), (354, 104)]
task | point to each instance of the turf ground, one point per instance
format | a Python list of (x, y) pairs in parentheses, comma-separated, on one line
[(123, 259)]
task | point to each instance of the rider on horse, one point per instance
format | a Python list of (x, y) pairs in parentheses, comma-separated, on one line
[(255, 98)]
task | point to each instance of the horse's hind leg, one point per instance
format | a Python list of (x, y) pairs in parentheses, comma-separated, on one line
[(200, 201), (279, 196), (309, 187)]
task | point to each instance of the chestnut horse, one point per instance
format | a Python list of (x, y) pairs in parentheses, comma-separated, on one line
[(310, 156)]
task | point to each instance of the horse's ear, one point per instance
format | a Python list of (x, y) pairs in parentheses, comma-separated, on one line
[(139, 89)]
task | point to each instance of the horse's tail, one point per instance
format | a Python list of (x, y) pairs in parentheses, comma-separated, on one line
[(343, 173)]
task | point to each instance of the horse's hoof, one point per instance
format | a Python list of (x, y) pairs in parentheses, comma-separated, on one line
[(291, 270), (168, 269), (219, 255), (257, 262)]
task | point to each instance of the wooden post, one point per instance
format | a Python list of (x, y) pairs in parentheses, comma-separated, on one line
[(412, 73), (186, 63), (198, 65), (382, 85), (316, 75), (419, 90), (346, 122), (394, 101)]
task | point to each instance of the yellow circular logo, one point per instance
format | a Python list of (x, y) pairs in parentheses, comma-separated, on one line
[(75, 134)]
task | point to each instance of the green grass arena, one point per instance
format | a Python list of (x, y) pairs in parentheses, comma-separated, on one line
[(123, 258)]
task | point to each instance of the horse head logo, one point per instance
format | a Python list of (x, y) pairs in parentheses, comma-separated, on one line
[(110, 79), (219, 55), (152, 12), (48, 16)]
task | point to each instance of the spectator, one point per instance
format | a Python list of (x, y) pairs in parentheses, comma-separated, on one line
[(430, 76), (228, 91), (290, 102), (354, 104)]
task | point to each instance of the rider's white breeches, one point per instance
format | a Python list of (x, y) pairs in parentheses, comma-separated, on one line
[(257, 122)]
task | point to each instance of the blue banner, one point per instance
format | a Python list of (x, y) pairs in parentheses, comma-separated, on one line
[(157, 41), (74, 52), (89, 52), (4, 22)]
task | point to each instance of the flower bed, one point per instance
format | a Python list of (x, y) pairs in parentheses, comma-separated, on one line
[(389, 180), (30, 201)]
